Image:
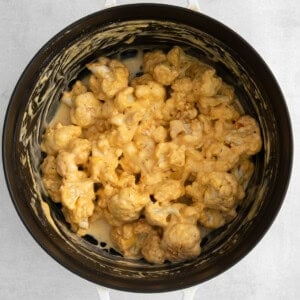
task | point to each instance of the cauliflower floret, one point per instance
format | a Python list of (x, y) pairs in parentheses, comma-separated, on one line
[(223, 112), (111, 76), (81, 148), (152, 250), (221, 152), (183, 85), (128, 160), (126, 180), (145, 152), (207, 84), (104, 161), (196, 191), (181, 241), (78, 198), (159, 134), (182, 62), (159, 214), (175, 56), (51, 179), (128, 239), (222, 128), (227, 90), (141, 80), (127, 204), (149, 180), (245, 138), (152, 59), (77, 89), (243, 171), (164, 73), (58, 137), (178, 106), (124, 99), (189, 134), (168, 190), (151, 96), (221, 190), (196, 163), (211, 218), (67, 167), (206, 103), (177, 127), (126, 127), (170, 155), (164, 214), (86, 108)]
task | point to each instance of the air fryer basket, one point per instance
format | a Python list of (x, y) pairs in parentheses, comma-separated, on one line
[(113, 31)]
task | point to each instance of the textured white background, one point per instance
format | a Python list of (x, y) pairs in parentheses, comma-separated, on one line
[(272, 269)]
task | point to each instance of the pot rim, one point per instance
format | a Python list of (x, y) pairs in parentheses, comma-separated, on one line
[(34, 227)]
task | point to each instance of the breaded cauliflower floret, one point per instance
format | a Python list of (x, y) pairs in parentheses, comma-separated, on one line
[(211, 218), (159, 214), (177, 127), (206, 103), (170, 155), (128, 239), (141, 80), (221, 152), (77, 89), (152, 59), (67, 167), (222, 128), (196, 162), (159, 134), (223, 112), (127, 204), (246, 136), (243, 171), (124, 99), (81, 148), (51, 179), (110, 77), (183, 85), (181, 241), (189, 134), (128, 160), (175, 56), (78, 198), (227, 90), (164, 73), (145, 151), (58, 137), (151, 96), (169, 190), (104, 161), (164, 214), (85, 110), (178, 106), (221, 190), (125, 127), (208, 84), (152, 250)]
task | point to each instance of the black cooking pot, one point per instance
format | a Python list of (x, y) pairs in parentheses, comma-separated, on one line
[(116, 30)]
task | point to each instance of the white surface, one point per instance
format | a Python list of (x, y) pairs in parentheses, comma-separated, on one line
[(272, 269)]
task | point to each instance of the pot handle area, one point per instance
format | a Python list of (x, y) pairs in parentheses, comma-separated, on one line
[(191, 4), (187, 294)]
